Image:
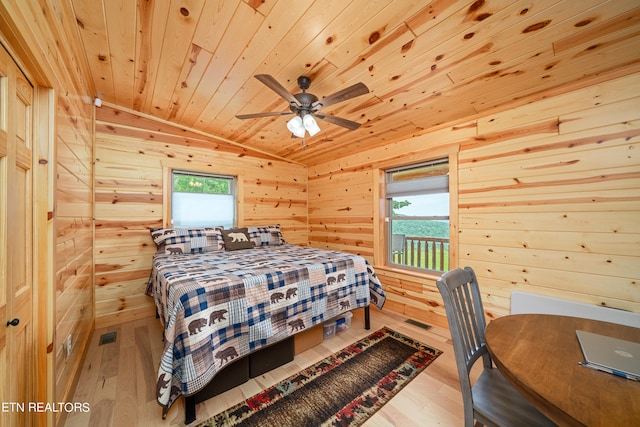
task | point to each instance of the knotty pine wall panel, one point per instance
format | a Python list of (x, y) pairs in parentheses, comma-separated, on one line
[(131, 152), (345, 195), (549, 201), (74, 305)]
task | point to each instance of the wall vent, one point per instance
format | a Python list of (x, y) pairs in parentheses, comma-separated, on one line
[(107, 338), (418, 324)]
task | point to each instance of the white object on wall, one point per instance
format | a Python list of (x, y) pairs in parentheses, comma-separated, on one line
[(525, 302)]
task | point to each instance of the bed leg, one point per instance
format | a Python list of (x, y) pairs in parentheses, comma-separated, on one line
[(189, 409), (367, 318)]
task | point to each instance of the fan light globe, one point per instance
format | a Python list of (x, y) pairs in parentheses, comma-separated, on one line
[(310, 125), (295, 126)]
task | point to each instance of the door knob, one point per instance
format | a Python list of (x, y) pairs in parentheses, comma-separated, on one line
[(14, 322)]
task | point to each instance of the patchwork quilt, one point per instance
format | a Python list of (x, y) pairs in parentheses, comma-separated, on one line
[(219, 306)]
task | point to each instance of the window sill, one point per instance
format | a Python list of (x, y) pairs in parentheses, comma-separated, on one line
[(406, 273)]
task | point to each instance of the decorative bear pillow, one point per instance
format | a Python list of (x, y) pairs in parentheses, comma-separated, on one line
[(237, 238)]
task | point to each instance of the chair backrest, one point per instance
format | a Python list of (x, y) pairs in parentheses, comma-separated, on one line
[(463, 305)]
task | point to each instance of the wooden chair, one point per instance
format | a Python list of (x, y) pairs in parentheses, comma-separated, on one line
[(491, 401)]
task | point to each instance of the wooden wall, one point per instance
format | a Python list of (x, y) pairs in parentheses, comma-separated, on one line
[(63, 240), (131, 153), (73, 258), (549, 201)]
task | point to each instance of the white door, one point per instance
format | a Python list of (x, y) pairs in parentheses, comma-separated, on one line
[(16, 220)]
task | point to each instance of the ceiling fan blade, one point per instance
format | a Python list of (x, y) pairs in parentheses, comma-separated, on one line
[(275, 86), (338, 121), (256, 115), (357, 89)]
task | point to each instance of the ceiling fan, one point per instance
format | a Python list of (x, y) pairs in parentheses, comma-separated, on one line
[(306, 105)]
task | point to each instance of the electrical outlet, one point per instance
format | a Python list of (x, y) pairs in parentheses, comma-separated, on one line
[(68, 346)]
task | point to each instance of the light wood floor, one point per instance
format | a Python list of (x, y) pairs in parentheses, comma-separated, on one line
[(118, 379)]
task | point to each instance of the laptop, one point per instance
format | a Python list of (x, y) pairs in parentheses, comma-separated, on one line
[(613, 355)]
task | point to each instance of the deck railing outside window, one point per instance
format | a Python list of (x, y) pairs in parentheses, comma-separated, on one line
[(431, 253)]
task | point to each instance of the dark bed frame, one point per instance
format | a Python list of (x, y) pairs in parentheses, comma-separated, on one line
[(241, 370)]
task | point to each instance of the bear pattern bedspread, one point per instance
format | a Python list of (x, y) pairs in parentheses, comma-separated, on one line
[(219, 306)]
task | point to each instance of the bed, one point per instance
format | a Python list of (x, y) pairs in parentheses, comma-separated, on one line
[(224, 294)]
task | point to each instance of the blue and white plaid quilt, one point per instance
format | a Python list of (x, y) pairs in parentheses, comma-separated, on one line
[(218, 306)]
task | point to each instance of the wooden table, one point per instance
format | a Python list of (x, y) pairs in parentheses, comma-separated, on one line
[(539, 355)]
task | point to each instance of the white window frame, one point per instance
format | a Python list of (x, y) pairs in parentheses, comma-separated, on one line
[(170, 200), (420, 186)]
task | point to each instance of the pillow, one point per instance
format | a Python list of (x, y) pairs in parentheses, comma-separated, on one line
[(269, 235), (236, 238), (188, 240)]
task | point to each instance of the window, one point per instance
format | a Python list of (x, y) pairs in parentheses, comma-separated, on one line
[(417, 211), (199, 200)]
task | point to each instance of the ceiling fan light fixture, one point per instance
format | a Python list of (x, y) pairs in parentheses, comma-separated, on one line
[(310, 124), (296, 127), (305, 105)]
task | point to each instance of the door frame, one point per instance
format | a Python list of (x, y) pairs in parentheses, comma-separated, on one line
[(43, 228)]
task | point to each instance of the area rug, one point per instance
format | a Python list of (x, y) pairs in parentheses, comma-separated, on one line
[(343, 389)]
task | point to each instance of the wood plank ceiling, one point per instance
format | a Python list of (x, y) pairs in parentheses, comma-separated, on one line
[(192, 62)]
